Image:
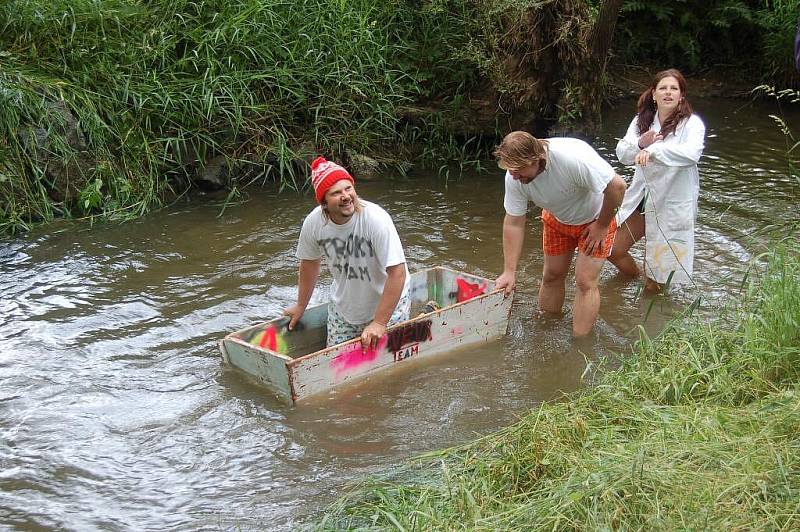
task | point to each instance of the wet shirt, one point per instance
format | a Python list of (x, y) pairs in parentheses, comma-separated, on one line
[(357, 254), (570, 187)]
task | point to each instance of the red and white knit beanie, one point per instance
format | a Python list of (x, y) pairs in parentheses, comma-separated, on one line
[(324, 174)]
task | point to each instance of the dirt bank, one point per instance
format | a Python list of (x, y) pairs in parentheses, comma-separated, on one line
[(629, 81)]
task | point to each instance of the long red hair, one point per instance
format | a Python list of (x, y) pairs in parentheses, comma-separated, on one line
[(646, 108)]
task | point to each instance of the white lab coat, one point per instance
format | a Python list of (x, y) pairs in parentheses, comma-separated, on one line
[(670, 186)]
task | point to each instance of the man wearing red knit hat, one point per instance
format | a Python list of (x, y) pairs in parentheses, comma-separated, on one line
[(363, 253)]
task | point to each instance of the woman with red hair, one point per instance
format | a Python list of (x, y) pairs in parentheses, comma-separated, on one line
[(665, 141)]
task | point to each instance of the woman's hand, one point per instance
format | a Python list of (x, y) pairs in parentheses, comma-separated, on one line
[(642, 158), (648, 138)]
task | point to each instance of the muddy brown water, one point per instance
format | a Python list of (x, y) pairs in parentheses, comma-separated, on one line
[(116, 412)]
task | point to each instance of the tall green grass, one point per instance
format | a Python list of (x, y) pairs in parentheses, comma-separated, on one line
[(113, 106), (697, 430), (158, 88)]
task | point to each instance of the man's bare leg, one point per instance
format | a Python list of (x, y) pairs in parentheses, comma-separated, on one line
[(554, 276), (587, 294)]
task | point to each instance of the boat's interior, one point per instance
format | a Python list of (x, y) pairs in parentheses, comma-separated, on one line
[(430, 291)]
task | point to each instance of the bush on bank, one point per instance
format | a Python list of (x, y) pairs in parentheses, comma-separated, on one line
[(697, 430)]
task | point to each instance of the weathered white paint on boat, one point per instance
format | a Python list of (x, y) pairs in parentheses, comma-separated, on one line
[(296, 364)]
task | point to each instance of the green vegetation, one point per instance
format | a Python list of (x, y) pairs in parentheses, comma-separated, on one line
[(697, 430), (791, 136), (751, 37), (107, 104), (114, 107)]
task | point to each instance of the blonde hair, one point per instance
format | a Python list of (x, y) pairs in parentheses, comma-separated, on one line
[(519, 149)]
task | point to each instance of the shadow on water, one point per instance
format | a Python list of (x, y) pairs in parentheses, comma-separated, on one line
[(116, 411)]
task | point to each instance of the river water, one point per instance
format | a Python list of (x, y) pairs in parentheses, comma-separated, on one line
[(116, 412)]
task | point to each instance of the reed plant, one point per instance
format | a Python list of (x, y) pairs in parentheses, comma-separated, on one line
[(698, 429)]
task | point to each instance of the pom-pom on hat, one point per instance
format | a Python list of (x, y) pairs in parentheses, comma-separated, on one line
[(324, 174)]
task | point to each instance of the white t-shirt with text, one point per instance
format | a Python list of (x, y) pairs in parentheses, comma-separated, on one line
[(357, 254), (570, 187)]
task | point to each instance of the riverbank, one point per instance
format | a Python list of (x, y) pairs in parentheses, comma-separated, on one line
[(629, 81), (696, 430)]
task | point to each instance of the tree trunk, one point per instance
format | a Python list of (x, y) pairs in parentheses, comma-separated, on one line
[(593, 83), (544, 65), (603, 30)]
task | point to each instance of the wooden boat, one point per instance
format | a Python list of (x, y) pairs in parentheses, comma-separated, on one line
[(462, 309)]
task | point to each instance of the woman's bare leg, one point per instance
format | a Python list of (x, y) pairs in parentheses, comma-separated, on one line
[(652, 287), (628, 234)]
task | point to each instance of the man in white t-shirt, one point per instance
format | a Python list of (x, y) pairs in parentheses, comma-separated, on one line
[(579, 193), (363, 254)]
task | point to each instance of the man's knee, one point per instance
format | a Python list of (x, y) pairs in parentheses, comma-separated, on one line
[(585, 283), (553, 277), (587, 279)]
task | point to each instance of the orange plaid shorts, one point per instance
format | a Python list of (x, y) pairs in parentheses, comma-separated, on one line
[(560, 238)]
